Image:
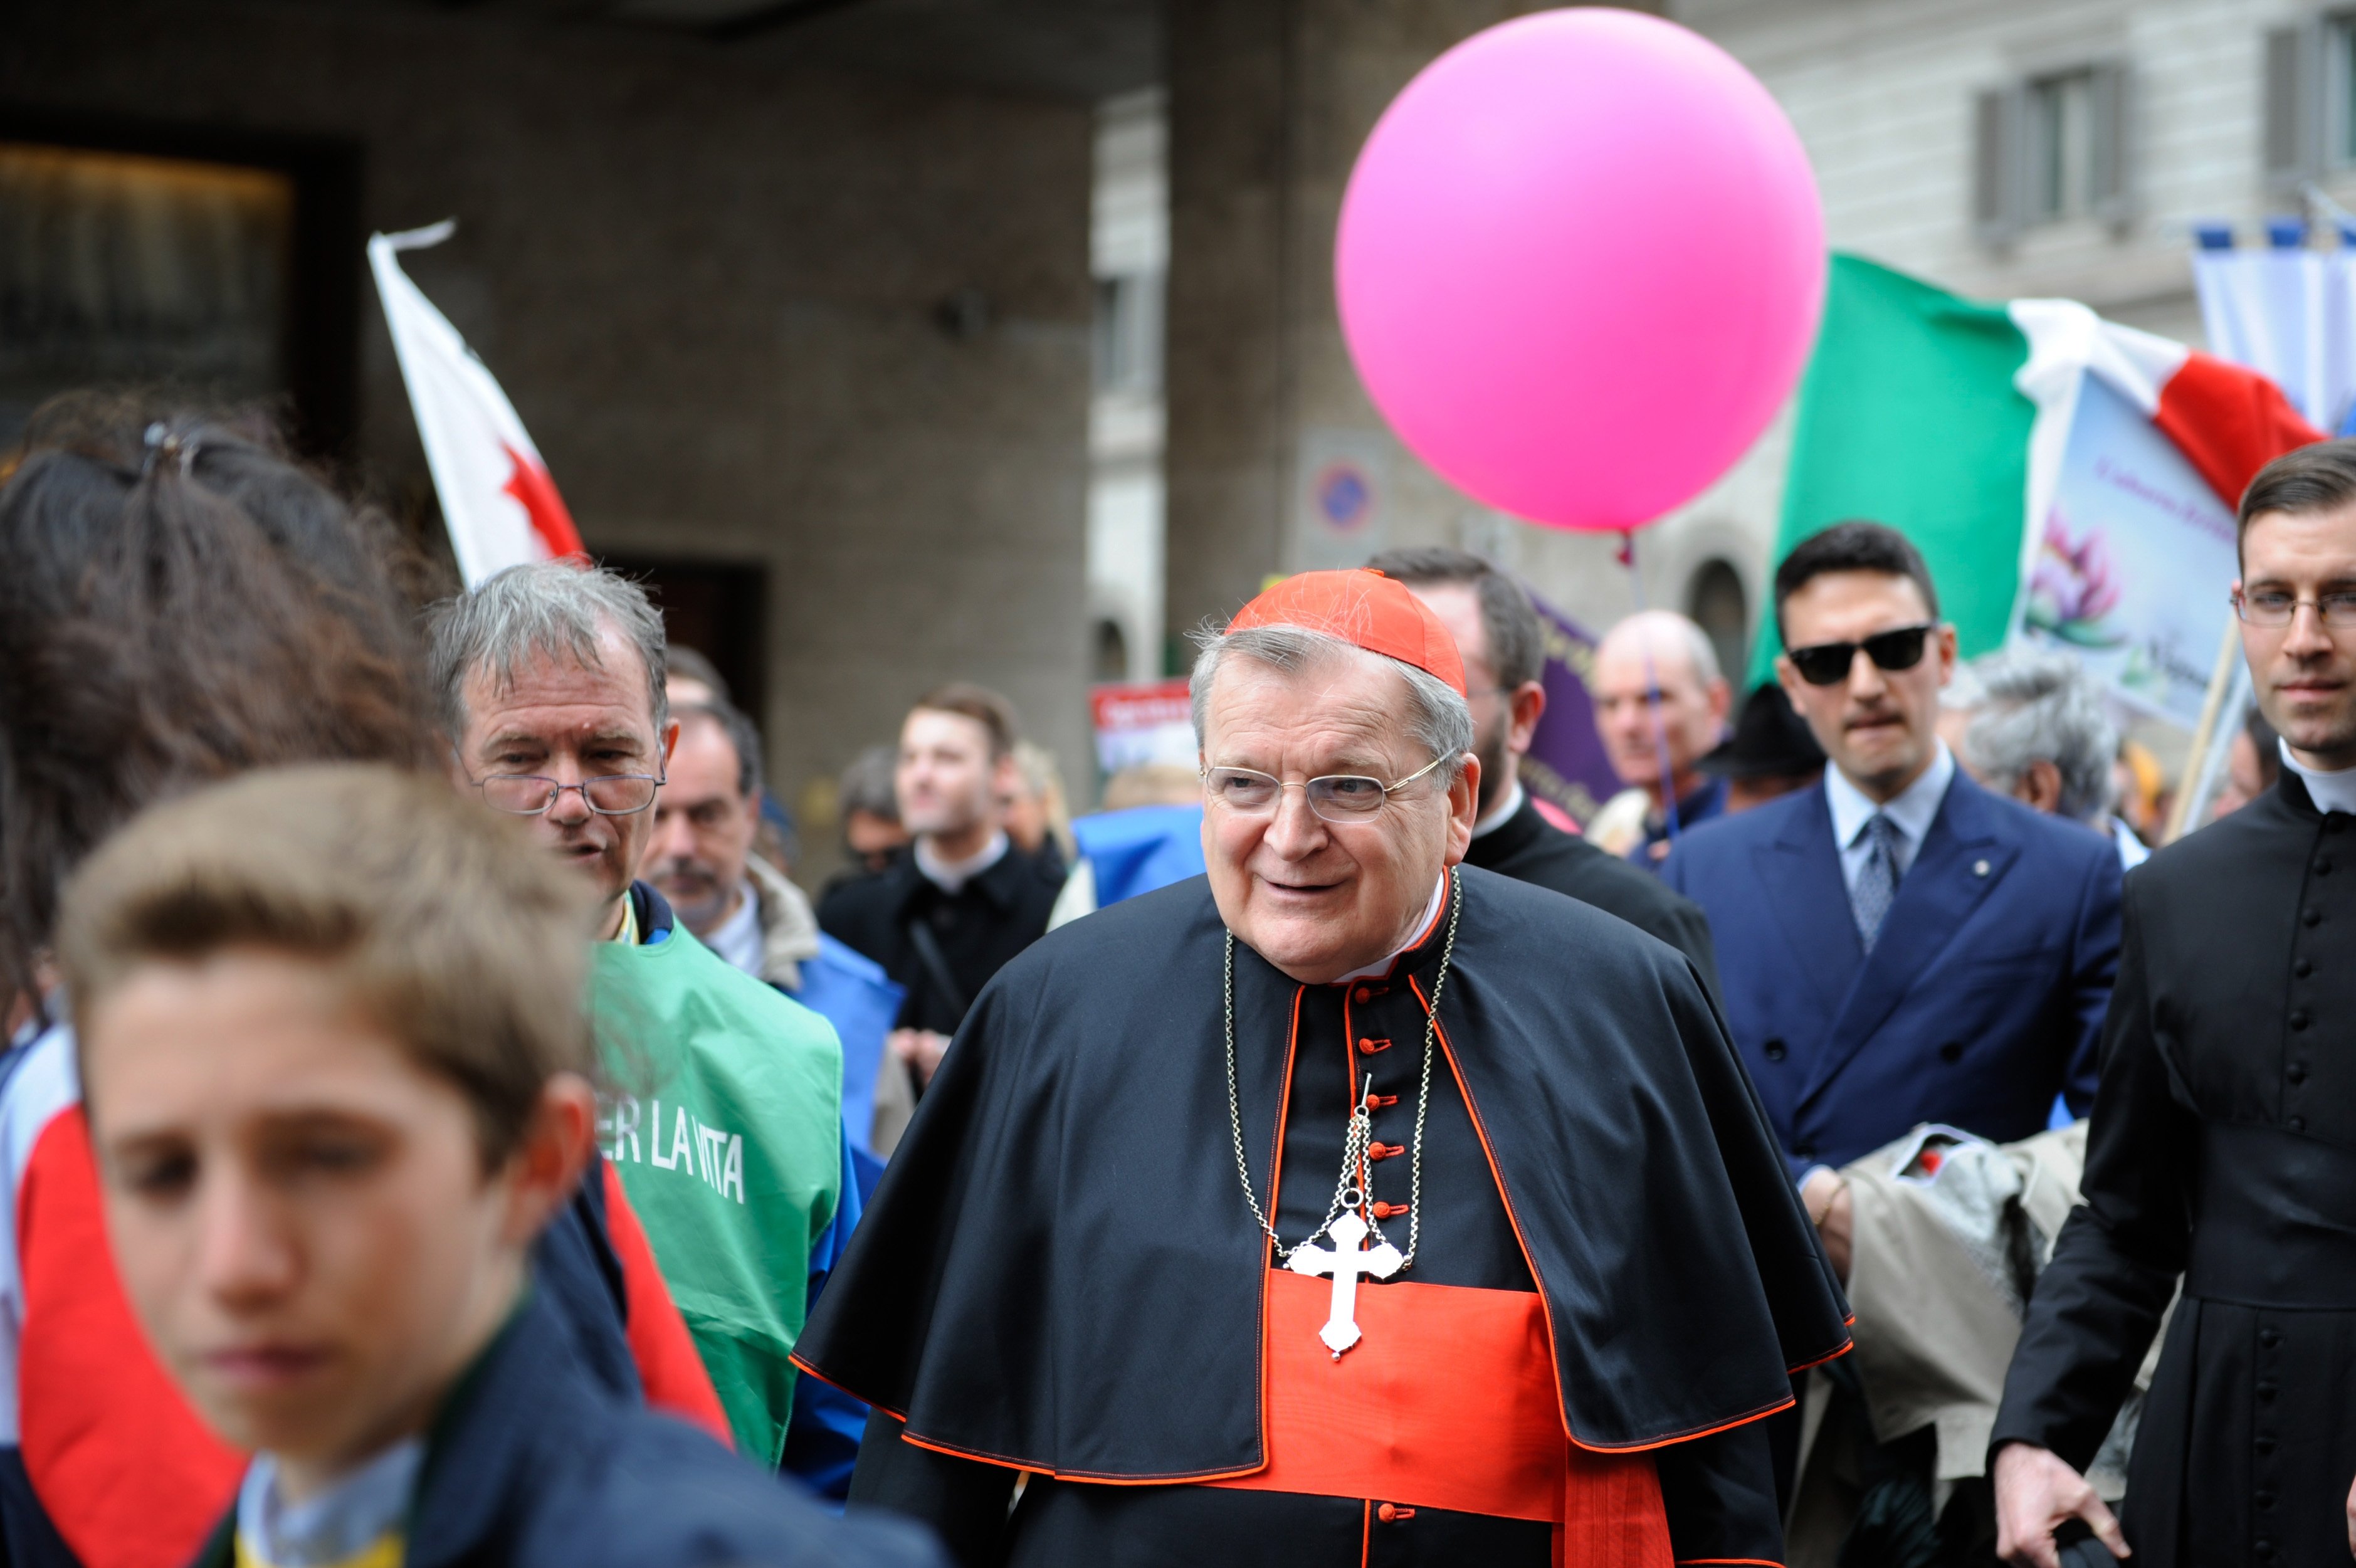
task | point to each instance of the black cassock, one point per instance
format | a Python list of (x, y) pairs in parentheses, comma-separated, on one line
[(1528, 848), (2222, 1152), (1059, 1273)]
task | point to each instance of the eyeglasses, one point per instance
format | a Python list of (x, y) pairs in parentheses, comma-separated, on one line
[(1336, 798), (1829, 663), (2273, 608), (608, 794)]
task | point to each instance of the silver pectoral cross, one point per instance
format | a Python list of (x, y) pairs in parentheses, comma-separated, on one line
[(1345, 1262)]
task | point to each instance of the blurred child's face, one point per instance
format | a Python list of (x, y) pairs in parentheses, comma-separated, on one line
[(300, 1213)]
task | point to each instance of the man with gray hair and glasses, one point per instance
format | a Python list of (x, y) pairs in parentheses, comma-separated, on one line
[(1115, 1254), (2037, 732), (726, 1123)]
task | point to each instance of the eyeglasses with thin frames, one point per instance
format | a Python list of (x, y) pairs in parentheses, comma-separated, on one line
[(1334, 796), (2273, 608), (532, 795)]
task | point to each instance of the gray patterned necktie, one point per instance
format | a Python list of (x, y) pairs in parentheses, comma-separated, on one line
[(1876, 881)]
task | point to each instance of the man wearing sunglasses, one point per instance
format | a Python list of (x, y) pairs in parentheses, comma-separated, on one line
[(1898, 945), (727, 1129)]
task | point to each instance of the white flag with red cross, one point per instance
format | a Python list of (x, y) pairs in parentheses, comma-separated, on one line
[(497, 496)]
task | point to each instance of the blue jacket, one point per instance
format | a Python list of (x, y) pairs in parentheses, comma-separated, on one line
[(1981, 1000), (532, 1463)]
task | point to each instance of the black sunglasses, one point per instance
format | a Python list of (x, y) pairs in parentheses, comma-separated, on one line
[(1829, 663)]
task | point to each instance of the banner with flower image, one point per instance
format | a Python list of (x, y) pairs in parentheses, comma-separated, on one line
[(2131, 561)]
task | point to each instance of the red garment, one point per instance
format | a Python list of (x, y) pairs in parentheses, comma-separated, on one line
[(1449, 1402)]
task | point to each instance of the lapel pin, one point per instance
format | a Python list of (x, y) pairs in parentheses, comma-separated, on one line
[(1979, 868)]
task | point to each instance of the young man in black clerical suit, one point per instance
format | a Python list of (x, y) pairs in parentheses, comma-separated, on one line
[(946, 913), (1497, 633), (2222, 1149)]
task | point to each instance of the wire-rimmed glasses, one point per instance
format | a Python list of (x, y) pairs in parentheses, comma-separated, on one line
[(1336, 797), (2275, 607), (533, 795)]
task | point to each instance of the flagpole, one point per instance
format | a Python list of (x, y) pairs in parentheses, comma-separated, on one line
[(2204, 735)]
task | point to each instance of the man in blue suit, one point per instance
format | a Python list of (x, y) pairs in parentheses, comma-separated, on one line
[(1897, 944)]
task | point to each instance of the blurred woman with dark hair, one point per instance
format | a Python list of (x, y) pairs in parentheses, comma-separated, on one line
[(179, 602)]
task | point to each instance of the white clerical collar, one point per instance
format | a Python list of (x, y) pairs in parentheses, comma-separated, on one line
[(2334, 791), (1423, 931), (1503, 814), (1915, 809), (948, 875)]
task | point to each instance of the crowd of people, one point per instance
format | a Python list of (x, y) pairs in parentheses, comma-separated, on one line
[(436, 1126)]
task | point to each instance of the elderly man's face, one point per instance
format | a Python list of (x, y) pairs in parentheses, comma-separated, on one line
[(1692, 711), (568, 721), (1316, 898)]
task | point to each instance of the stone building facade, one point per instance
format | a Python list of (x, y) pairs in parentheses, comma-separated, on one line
[(1999, 148)]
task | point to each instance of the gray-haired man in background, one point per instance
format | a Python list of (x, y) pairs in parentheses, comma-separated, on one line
[(2037, 731)]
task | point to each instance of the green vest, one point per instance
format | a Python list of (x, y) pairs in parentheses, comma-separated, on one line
[(724, 1117)]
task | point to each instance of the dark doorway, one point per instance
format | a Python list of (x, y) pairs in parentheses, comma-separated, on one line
[(1719, 606), (223, 263), (720, 609)]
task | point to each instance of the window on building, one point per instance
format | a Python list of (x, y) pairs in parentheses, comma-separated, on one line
[(2052, 147)]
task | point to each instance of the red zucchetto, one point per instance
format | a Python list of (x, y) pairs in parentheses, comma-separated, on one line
[(1366, 609)]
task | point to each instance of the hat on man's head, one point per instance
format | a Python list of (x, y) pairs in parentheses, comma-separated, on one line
[(1770, 741), (1364, 610)]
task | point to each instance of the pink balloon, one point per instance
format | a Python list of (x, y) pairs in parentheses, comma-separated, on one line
[(1579, 265)]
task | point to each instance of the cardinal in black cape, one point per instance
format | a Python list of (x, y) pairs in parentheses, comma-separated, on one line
[(1347, 1206)]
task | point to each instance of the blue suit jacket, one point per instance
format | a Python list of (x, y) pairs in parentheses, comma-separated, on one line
[(1982, 998)]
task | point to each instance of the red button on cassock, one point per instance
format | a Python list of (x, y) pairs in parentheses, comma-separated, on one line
[(1361, 994), (1384, 1211), (1386, 1513), (1368, 1048)]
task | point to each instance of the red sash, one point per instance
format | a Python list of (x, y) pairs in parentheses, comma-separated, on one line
[(1450, 1401)]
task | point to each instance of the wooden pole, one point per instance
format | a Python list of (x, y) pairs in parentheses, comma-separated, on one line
[(2204, 735)]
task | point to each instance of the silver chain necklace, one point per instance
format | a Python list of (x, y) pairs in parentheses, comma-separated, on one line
[(1347, 1195)]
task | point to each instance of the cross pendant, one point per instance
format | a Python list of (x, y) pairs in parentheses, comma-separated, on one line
[(1345, 1262)]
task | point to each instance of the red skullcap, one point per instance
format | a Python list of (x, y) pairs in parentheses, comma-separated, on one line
[(1366, 609)]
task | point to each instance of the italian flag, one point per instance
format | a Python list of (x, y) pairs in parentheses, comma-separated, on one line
[(2067, 479)]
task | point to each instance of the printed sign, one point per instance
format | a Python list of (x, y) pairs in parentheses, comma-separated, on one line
[(2133, 563), (1339, 515), (1142, 721)]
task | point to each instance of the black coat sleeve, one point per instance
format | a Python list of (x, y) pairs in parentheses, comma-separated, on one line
[(1687, 928), (964, 1501), (2115, 1265), (1718, 1494)]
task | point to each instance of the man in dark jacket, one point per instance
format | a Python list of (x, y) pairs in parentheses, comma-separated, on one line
[(2221, 1148), (948, 913), (1497, 632)]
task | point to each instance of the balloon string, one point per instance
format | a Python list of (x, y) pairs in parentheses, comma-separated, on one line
[(1652, 689)]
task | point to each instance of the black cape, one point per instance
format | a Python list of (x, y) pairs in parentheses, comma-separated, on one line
[(1528, 848), (1058, 1271), (2222, 1151)]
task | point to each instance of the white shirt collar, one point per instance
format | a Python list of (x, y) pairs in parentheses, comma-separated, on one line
[(737, 939), (2333, 791), (1422, 929), (1503, 814), (950, 876), (1915, 809)]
